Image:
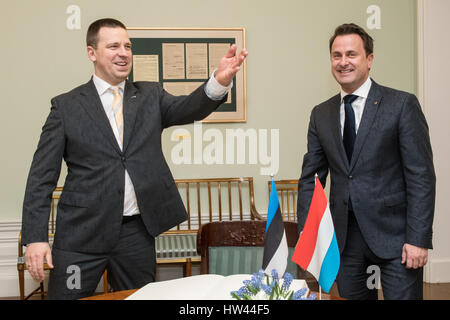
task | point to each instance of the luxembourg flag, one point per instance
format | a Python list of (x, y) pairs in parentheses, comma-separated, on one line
[(317, 250), (275, 243)]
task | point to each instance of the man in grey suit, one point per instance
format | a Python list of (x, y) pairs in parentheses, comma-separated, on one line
[(374, 141), (119, 193)]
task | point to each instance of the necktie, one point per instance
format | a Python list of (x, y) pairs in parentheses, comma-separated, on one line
[(349, 135), (117, 107), (118, 111)]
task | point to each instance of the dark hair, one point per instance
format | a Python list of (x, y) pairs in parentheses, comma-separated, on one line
[(351, 28), (94, 28)]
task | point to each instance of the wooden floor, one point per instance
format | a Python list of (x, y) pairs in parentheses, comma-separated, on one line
[(435, 291), (431, 291)]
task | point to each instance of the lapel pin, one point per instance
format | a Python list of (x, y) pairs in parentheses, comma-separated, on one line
[(376, 102)]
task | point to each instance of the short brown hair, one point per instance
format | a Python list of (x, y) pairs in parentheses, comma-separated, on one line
[(94, 28), (351, 28)]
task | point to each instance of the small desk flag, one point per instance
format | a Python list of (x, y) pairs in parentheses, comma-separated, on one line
[(317, 249), (275, 243)]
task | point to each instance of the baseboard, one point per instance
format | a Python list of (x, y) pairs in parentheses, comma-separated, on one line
[(439, 271)]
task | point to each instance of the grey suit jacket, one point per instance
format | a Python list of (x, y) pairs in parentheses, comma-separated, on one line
[(91, 206), (390, 180)]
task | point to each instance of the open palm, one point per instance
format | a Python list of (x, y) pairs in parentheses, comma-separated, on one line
[(229, 65)]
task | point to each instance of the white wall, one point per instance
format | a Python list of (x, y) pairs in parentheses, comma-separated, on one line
[(434, 92)]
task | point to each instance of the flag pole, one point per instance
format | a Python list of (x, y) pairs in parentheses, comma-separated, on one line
[(316, 176)]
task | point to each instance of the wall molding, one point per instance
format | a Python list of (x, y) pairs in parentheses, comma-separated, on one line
[(438, 271)]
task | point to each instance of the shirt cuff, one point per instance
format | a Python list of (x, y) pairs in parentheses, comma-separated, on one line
[(214, 90)]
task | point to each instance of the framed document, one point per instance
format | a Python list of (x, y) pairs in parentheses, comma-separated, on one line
[(181, 59)]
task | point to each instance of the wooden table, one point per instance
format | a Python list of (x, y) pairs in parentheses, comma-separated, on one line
[(119, 295)]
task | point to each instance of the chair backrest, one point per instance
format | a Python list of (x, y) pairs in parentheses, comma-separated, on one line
[(216, 199), (287, 195), (53, 209), (237, 247), (206, 200)]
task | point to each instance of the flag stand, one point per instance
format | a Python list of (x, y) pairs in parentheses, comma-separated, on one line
[(320, 292)]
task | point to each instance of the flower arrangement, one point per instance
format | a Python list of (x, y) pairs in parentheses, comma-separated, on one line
[(258, 289)]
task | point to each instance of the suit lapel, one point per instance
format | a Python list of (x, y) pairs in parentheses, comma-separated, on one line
[(129, 112), (336, 127), (370, 110), (92, 104)]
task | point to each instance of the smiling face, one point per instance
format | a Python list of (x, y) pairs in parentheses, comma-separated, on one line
[(112, 56), (350, 64)]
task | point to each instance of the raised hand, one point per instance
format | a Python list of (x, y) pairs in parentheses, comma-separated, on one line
[(229, 65)]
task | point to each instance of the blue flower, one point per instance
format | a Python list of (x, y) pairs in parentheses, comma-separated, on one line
[(261, 286), (244, 290), (240, 293), (267, 289), (287, 280), (298, 294), (235, 294), (261, 274), (275, 275), (256, 281), (247, 283)]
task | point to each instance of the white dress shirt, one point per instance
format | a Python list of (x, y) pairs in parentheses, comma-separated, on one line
[(358, 105), (213, 89)]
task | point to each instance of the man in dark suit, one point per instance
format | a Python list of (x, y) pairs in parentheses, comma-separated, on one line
[(119, 193), (374, 141)]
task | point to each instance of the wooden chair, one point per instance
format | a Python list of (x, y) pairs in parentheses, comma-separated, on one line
[(237, 247), (206, 200), (21, 265), (287, 195)]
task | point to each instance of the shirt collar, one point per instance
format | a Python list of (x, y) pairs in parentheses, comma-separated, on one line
[(102, 86), (362, 91)]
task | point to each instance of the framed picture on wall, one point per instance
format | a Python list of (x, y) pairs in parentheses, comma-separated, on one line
[(181, 59)]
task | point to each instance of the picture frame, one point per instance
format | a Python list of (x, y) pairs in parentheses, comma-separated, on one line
[(181, 59)]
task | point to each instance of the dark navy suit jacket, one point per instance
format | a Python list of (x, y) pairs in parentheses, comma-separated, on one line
[(391, 178)]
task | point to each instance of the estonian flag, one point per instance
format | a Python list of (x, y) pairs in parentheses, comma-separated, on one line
[(275, 243), (317, 250)]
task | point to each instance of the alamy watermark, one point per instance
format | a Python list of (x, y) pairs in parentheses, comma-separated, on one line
[(74, 279), (373, 281), (238, 146)]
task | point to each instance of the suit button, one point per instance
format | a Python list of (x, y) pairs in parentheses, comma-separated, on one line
[(350, 177), (123, 159)]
